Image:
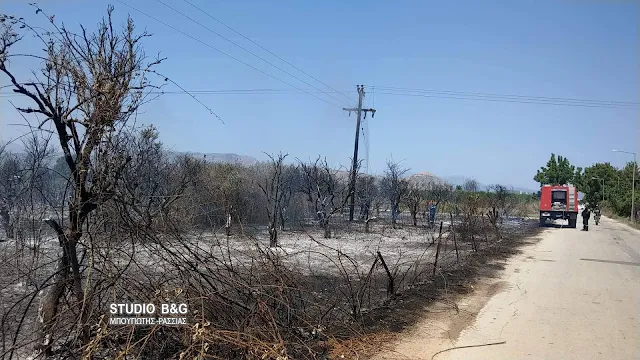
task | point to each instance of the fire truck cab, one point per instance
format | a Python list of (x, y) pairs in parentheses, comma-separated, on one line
[(559, 202)]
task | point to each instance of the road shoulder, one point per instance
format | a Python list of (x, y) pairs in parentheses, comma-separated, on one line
[(459, 302), (574, 294)]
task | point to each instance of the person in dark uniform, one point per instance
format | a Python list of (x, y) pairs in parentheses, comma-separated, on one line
[(586, 214), (596, 209), (432, 214)]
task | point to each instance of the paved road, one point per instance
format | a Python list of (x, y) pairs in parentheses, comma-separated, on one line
[(573, 295)]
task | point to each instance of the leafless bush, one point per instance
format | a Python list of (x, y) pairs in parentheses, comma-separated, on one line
[(470, 186), (470, 204), (324, 190), (366, 193), (290, 208), (10, 190), (275, 192), (414, 200), (395, 187)]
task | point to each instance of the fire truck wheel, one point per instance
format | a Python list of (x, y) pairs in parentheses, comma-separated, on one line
[(572, 223), (543, 221)]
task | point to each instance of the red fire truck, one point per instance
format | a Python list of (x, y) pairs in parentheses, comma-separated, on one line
[(559, 202)]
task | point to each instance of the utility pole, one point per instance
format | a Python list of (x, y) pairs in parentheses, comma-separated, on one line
[(354, 166)]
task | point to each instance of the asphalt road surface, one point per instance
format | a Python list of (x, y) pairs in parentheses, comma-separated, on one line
[(572, 295)]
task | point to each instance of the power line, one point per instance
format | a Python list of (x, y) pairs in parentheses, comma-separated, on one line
[(265, 49), (435, 95), (611, 106), (506, 96), (365, 135), (209, 92), (224, 53), (241, 47)]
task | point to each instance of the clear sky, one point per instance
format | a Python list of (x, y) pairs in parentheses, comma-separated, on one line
[(568, 49)]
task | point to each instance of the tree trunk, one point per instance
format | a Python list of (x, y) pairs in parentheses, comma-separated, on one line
[(394, 215), (5, 221), (282, 219), (85, 306), (414, 217), (455, 242), (273, 234), (50, 302), (227, 226), (67, 266), (51, 296), (327, 229)]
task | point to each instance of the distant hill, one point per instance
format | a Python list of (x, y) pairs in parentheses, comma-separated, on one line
[(525, 190), (425, 179), (460, 180), (456, 180)]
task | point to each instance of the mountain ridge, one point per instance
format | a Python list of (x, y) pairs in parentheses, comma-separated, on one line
[(456, 180)]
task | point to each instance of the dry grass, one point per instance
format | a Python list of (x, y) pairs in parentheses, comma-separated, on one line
[(625, 220), (361, 346), (305, 278)]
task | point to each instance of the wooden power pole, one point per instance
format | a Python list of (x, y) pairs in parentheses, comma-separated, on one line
[(354, 166)]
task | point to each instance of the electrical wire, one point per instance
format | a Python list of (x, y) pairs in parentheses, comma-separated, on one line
[(221, 91), (207, 92), (367, 142), (436, 95), (365, 137), (557, 103), (506, 96), (241, 47), (267, 50), (224, 53)]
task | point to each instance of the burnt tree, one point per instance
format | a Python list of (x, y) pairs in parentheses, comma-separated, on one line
[(291, 183), (395, 187), (324, 190), (274, 192), (88, 87), (414, 198), (10, 190)]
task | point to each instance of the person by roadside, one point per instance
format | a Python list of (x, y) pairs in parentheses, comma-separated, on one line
[(596, 214), (586, 214)]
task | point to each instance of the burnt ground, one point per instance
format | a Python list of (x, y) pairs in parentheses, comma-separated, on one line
[(404, 310), (384, 317)]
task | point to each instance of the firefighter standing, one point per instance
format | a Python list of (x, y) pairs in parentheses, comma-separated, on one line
[(432, 214), (586, 214)]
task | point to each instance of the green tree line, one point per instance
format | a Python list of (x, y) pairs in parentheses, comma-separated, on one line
[(602, 183)]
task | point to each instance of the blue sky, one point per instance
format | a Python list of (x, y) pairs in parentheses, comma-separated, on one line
[(568, 49)]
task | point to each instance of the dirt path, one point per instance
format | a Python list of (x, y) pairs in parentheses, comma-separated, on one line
[(573, 295)]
